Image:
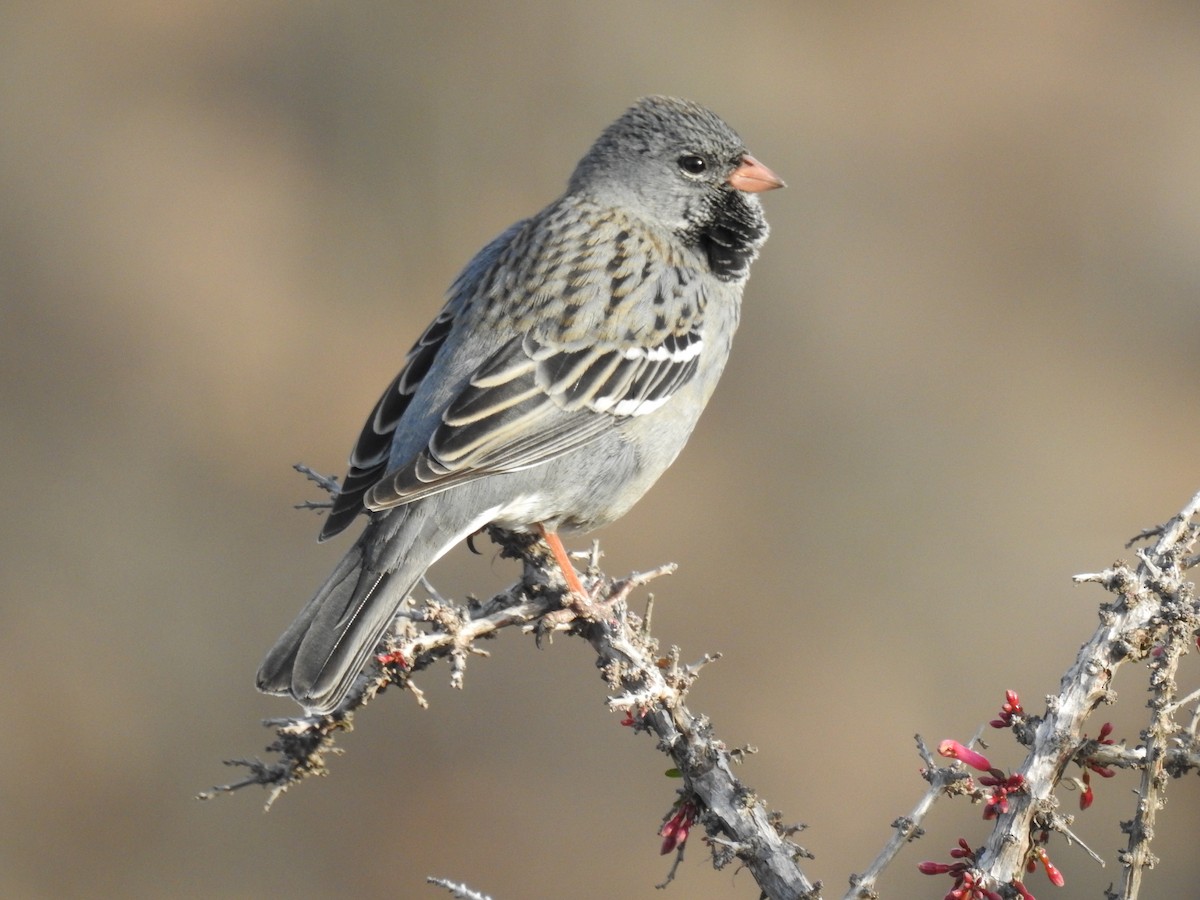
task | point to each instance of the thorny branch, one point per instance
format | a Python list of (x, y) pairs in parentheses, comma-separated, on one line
[(943, 781), (1155, 618), (460, 891), (650, 689)]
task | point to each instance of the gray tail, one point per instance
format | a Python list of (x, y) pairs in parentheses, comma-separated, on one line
[(322, 652)]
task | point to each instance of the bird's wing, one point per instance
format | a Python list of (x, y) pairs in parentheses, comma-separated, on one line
[(627, 334), (535, 401)]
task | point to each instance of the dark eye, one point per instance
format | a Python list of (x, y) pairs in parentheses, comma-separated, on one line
[(692, 164)]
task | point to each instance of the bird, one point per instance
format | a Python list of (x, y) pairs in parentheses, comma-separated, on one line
[(564, 374)]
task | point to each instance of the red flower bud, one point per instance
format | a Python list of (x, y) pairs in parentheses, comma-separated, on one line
[(1055, 876), (675, 830), (965, 755), (1086, 798)]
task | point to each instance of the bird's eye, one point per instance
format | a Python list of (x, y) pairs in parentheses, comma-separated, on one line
[(692, 164)]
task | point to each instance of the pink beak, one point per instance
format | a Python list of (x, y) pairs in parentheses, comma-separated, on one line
[(752, 177)]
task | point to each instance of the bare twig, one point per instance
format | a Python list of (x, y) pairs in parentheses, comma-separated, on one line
[(461, 891), (327, 483), (907, 828)]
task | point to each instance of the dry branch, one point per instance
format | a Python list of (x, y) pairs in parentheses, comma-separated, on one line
[(1155, 618)]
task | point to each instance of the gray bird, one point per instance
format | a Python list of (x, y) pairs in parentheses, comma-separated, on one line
[(563, 376)]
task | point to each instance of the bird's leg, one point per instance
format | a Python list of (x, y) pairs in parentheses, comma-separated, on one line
[(574, 585)]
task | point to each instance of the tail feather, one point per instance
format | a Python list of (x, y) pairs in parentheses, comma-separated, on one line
[(325, 649), (317, 659), (342, 636), (275, 673)]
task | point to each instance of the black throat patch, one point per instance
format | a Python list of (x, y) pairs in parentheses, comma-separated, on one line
[(731, 238)]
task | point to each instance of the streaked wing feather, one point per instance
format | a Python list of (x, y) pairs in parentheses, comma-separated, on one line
[(532, 402), (469, 444), (369, 458)]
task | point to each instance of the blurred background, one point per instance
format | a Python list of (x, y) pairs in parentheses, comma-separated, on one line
[(966, 372)]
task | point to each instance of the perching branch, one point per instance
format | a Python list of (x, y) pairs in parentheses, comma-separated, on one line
[(1155, 618), (648, 689)]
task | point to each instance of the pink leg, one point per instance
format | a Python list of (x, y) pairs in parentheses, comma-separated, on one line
[(560, 556)]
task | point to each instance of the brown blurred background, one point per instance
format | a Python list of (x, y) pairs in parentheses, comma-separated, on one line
[(967, 371)]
